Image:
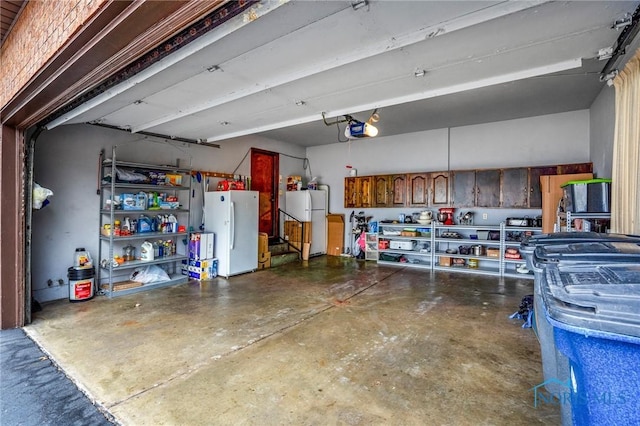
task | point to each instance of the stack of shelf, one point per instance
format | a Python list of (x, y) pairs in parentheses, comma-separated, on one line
[(569, 217), (113, 278), (409, 243), (486, 264), (427, 248)]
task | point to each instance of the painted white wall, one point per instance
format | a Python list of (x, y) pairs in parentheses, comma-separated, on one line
[(535, 141), (602, 128), (66, 161)]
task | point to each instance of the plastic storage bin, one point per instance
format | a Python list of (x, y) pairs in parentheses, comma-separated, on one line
[(599, 196), (595, 314), (403, 245), (582, 196)]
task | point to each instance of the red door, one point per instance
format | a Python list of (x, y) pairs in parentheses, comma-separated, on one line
[(264, 178)]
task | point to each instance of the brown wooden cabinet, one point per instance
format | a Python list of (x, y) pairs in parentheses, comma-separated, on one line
[(417, 195), (464, 188), (535, 190), (488, 188), (398, 190), (438, 189), (382, 190), (515, 188), (358, 192), (365, 185), (350, 193), (571, 169)]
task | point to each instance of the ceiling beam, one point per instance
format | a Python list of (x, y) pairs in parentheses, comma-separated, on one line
[(179, 55), (352, 56), (457, 88)]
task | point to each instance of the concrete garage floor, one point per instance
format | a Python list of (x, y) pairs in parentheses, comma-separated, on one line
[(332, 341)]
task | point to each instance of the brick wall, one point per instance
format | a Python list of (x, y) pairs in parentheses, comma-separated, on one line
[(42, 28)]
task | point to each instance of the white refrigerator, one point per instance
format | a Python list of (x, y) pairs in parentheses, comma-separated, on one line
[(233, 217), (310, 206)]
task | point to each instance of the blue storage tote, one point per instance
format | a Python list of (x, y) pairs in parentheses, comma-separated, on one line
[(595, 314)]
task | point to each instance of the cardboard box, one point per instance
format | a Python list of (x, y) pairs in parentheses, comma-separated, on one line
[(133, 201), (335, 234), (552, 192), (264, 260), (201, 245), (306, 247), (292, 182), (493, 252), (173, 179), (293, 231), (204, 269), (263, 242), (445, 261), (409, 233)]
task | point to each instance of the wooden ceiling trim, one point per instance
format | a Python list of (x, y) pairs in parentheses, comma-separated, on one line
[(9, 13)]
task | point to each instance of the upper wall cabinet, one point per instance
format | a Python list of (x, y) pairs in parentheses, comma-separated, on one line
[(398, 190), (381, 191), (417, 190), (570, 169), (350, 193), (515, 188), (439, 189), (488, 188), (366, 190), (535, 192), (358, 191), (389, 190), (464, 188)]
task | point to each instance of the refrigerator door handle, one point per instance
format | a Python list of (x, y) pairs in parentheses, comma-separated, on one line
[(232, 225)]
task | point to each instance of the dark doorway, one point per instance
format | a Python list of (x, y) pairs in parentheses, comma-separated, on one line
[(264, 178)]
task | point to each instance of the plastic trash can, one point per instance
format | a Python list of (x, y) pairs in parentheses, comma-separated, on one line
[(555, 366), (595, 314)]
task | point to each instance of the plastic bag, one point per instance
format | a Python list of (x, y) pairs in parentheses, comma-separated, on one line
[(149, 274), (125, 175), (40, 196)]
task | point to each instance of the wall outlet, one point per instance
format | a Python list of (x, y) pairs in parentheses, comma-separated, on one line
[(485, 216)]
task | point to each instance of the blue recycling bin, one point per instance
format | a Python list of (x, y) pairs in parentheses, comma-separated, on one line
[(541, 251), (594, 310)]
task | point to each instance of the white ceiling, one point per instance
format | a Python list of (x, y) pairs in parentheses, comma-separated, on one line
[(277, 68)]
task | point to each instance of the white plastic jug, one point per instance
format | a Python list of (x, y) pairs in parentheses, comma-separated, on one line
[(82, 259), (146, 252)]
